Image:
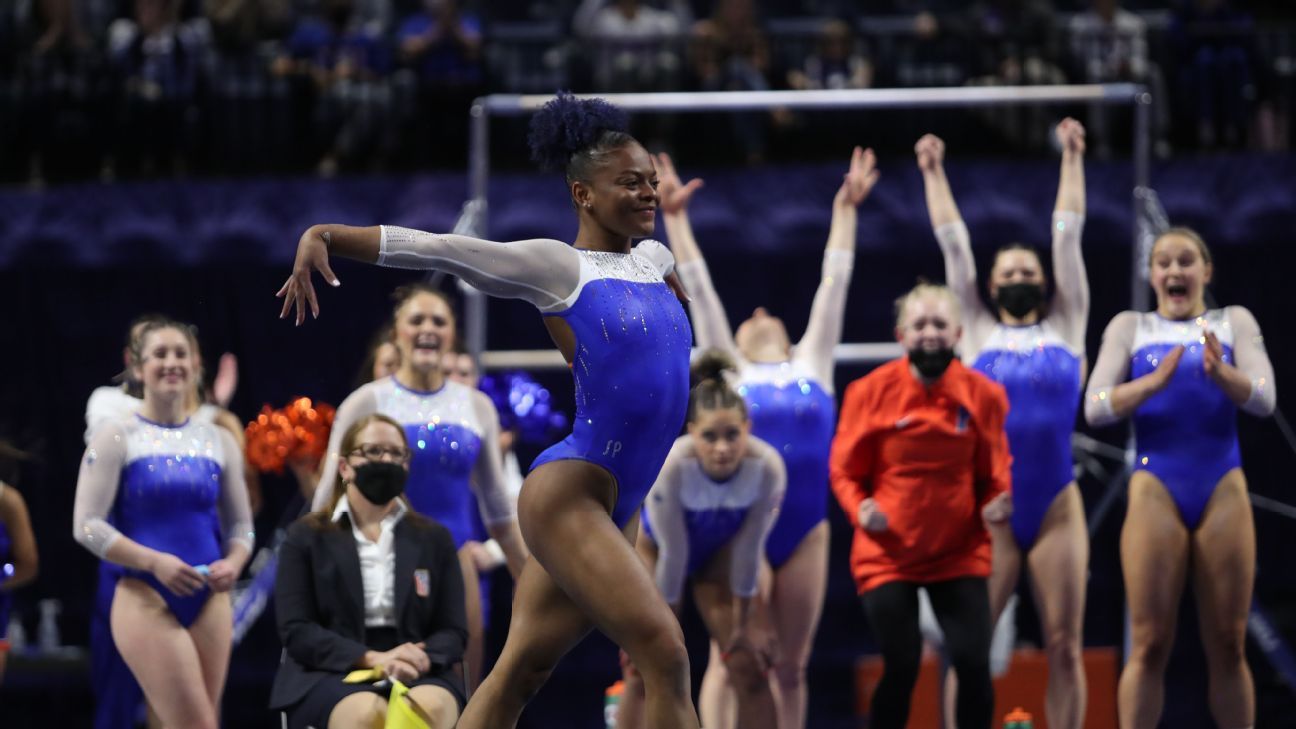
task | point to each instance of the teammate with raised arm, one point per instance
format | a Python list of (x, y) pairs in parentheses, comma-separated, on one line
[(789, 391), (1034, 346)]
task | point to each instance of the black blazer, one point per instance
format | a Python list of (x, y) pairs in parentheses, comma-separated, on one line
[(319, 600)]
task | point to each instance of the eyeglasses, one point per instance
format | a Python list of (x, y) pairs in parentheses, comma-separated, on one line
[(375, 452)]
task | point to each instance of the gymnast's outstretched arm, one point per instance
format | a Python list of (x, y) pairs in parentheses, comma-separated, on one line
[(710, 323), (541, 271), (828, 311), (1069, 311), (955, 243)]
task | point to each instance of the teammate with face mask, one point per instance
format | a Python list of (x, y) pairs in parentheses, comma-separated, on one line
[(368, 583), (1034, 347), (920, 463)]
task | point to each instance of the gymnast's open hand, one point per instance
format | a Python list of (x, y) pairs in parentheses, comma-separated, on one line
[(859, 180), (298, 291), (1166, 369), (1212, 354), (672, 195)]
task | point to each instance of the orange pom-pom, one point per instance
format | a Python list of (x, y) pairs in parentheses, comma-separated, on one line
[(265, 441), (298, 431)]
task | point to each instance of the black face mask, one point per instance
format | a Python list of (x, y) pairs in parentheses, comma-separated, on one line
[(931, 364), (1020, 299), (380, 481)]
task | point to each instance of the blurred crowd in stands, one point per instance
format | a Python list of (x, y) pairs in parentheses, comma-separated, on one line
[(112, 89)]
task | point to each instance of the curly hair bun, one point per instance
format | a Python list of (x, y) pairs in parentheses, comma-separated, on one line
[(568, 125)]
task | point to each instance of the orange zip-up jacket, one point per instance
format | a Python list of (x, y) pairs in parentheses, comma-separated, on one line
[(930, 457)]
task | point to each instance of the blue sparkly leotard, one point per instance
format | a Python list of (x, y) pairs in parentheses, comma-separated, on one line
[(445, 438), (692, 517), (1041, 374), (792, 411), (1185, 434), (631, 348), (167, 499), (631, 369), (119, 700)]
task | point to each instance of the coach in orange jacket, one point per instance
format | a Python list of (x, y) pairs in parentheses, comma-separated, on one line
[(920, 459)]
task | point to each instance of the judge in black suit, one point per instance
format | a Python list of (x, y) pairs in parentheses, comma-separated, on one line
[(367, 584)]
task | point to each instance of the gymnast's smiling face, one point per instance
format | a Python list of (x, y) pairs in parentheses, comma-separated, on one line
[(620, 198), (166, 364)]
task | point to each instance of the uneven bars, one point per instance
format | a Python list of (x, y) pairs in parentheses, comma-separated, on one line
[(483, 108), (684, 102)]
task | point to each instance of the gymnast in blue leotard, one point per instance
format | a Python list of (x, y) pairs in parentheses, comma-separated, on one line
[(614, 313), (18, 558), (789, 393), (119, 701), (1180, 373), (452, 429), (162, 495), (1034, 346), (707, 520)]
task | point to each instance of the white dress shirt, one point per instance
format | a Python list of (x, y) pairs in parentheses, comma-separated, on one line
[(377, 565)]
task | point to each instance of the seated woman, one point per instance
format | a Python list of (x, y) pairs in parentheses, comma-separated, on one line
[(369, 583)]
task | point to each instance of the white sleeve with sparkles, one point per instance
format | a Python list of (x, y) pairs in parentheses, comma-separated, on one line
[(1069, 311), (541, 271), (234, 508), (666, 514), (1111, 368), (1250, 356), (749, 543), (827, 314), (657, 254), (96, 490), (960, 275), (710, 323), (105, 404), (488, 480)]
